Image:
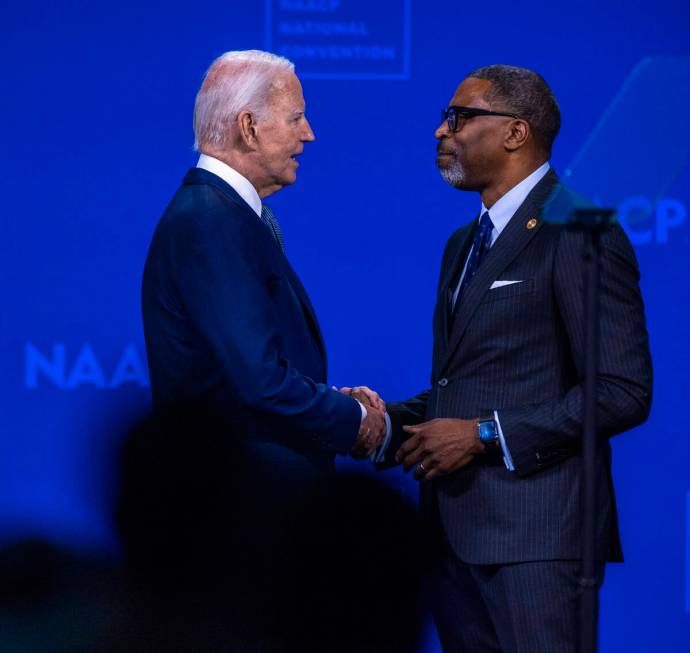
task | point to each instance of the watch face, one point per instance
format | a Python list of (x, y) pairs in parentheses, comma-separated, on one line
[(487, 431)]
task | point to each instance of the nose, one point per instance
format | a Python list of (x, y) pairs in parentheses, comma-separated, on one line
[(442, 130), (307, 132)]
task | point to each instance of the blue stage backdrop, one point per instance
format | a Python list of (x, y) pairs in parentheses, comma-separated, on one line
[(96, 116)]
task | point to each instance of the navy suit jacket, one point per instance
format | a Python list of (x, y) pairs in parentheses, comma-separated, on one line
[(519, 349), (229, 325)]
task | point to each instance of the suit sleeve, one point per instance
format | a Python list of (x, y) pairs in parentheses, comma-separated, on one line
[(403, 413), (545, 433), (222, 287)]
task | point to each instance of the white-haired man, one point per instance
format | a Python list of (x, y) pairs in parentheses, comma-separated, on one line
[(228, 325)]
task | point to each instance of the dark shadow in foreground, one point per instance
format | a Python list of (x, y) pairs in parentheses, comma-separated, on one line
[(226, 549)]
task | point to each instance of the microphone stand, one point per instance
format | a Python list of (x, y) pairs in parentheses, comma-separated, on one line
[(592, 222)]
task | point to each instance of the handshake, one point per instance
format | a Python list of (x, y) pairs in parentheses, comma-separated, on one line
[(372, 431)]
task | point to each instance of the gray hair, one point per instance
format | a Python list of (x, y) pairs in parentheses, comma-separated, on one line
[(526, 93), (237, 80)]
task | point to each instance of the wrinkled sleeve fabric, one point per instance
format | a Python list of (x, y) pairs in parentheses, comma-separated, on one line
[(624, 380)]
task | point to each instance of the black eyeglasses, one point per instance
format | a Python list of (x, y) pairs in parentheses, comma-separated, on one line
[(458, 116)]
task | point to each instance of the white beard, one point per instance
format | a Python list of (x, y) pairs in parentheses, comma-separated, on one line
[(454, 174)]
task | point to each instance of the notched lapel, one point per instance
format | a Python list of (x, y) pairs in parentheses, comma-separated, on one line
[(451, 272), (200, 176), (513, 239)]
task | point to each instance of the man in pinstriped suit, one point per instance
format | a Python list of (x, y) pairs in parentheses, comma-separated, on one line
[(495, 442)]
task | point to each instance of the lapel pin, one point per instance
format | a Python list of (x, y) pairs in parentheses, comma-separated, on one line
[(531, 223)]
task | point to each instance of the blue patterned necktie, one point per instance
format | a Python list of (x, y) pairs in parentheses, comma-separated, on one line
[(270, 221), (481, 242)]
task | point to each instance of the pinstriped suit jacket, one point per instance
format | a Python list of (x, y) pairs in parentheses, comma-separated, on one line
[(518, 349)]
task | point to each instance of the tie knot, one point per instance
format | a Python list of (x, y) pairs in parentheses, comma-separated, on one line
[(485, 221)]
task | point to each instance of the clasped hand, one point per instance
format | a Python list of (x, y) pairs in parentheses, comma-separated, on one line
[(372, 431), (439, 446)]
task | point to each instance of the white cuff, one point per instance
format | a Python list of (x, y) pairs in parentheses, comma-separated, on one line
[(364, 411), (379, 453), (507, 458)]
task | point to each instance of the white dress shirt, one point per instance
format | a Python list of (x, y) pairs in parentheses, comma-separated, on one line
[(234, 179)]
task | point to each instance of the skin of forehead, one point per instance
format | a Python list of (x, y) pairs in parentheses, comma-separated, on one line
[(471, 93), (287, 91)]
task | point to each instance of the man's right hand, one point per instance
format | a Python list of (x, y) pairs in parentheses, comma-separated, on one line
[(371, 434), (365, 396)]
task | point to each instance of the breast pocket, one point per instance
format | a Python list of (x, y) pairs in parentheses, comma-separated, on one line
[(525, 287)]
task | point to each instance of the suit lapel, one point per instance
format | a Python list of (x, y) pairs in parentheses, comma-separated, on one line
[(446, 288), (200, 176), (510, 243)]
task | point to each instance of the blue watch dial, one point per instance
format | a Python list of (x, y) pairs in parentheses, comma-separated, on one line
[(488, 431)]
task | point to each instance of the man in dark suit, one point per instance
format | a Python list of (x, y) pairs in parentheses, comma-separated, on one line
[(496, 440), (229, 327)]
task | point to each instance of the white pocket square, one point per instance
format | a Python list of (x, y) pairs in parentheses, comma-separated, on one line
[(500, 284)]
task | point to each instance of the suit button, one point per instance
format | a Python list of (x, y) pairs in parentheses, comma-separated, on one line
[(443, 382)]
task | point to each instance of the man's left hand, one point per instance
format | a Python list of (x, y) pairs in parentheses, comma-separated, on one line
[(440, 446)]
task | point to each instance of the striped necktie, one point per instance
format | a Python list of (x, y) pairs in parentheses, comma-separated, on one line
[(481, 242), (270, 221)]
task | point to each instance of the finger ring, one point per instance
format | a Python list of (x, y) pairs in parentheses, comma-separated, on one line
[(421, 468)]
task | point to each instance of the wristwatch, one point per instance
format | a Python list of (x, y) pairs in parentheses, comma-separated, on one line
[(487, 429)]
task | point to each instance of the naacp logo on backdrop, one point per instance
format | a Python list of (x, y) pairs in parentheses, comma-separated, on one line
[(66, 368), (648, 222), (341, 39)]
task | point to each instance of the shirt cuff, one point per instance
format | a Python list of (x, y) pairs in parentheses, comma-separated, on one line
[(364, 411), (507, 458), (378, 455)]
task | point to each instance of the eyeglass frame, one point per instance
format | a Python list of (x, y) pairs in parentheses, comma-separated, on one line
[(469, 112)]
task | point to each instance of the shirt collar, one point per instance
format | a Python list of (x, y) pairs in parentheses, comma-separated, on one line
[(505, 208), (230, 176)]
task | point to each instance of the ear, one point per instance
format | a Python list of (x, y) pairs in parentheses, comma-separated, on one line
[(246, 121), (517, 134)]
